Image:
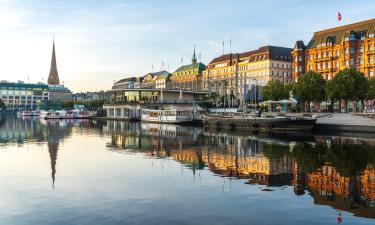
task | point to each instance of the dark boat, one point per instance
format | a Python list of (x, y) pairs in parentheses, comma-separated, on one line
[(251, 123)]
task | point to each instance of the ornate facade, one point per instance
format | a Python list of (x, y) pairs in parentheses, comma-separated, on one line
[(332, 50), (188, 77), (229, 74)]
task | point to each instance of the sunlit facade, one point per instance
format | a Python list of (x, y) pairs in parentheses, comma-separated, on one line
[(231, 74), (334, 49)]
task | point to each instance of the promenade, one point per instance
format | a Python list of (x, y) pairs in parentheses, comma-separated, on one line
[(345, 122)]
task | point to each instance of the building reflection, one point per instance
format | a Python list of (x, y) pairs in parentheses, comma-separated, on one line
[(339, 172), (20, 130)]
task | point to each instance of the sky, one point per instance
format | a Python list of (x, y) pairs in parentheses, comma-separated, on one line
[(99, 42)]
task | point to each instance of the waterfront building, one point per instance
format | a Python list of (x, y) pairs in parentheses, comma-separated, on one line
[(127, 103), (149, 80), (232, 74), (188, 77), (59, 93), (162, 79), (53, 77), (20, 95), (334, 49), (127, 83), (92, 96)]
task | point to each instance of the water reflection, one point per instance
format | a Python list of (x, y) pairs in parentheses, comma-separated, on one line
[(20, 130), (335, 171)]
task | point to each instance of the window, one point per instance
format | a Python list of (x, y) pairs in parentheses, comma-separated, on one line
[(318, 56), (371, 73), (337, 53), (346, 51), (347, 63), (352, 50), (300, 69), (311, 56), (310, 67), (370, 48), (361, 61), (300, 58), (337, 64), (351, 62), (371, 59), (361, 49)]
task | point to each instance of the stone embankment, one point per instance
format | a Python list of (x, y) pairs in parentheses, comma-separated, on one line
[(344, 122)]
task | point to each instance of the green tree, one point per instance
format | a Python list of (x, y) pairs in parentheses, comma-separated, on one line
[(310, 87), (2, 104), (371, 89), (348, 85), (275, 90)]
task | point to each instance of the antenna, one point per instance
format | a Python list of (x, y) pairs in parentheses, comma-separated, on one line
[(223, 46), (230, 45)]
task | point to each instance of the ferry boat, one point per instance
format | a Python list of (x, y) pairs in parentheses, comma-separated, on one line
[(63, 114), (50, 115), (30, 113), (174, 116), (255, 123)]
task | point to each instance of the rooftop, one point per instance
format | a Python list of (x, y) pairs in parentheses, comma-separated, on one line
[(337, 34), (273, 52)]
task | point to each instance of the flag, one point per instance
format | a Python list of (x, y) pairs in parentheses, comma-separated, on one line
[(339, 16), (182, 59)]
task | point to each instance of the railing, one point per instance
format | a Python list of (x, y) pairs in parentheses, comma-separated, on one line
[(108, 103)]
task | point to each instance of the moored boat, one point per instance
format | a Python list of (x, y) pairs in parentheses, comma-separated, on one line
[(174, 116), (276, 123)]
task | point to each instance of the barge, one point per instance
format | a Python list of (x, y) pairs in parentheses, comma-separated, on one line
[(254, 123)]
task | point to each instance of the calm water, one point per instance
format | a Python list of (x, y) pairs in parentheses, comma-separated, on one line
[(82, 172)]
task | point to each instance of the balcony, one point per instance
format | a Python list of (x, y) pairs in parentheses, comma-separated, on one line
[(327, 58)]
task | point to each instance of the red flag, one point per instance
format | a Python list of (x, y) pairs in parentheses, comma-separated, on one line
[(339, 16)]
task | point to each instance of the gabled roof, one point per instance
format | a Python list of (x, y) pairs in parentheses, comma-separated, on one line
[(199, 66), (338, 34), (269, 52)]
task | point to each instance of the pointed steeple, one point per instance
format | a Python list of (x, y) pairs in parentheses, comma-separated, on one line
[(53, 77), (194, 59)]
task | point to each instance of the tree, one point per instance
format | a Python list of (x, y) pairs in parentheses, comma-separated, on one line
[(310, 87), (348, 85), (2, 104), (275, 90), (371, 89)]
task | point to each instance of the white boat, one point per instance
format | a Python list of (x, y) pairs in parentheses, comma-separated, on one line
[(167, 115), (30, 113), (52, 115)]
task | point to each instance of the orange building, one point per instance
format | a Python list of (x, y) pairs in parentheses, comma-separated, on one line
[(337, 48)]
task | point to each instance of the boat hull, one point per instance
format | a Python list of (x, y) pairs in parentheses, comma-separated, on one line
[(260, 124)]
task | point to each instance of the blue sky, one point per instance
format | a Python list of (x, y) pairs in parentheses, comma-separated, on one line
[(98, 42)]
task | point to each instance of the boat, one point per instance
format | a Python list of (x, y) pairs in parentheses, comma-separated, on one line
[(30, 113), (173, 116), (51, 115), (65, 114), (255, 123)]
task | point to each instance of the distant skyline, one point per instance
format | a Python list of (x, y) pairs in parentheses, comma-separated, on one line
[(98, 42)]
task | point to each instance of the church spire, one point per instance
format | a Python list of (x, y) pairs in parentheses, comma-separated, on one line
[(194, 59), (53, 77)]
